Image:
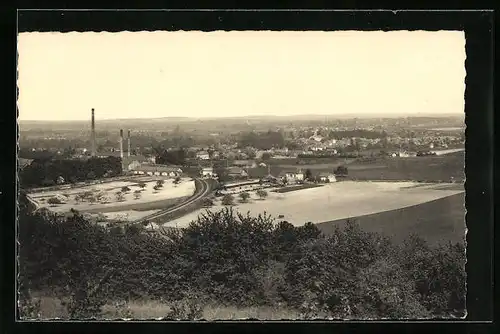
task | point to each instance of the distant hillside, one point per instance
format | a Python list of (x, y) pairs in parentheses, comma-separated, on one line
[(139, 122)]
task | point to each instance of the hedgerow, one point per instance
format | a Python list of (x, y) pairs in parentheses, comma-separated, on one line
[(237, 260)]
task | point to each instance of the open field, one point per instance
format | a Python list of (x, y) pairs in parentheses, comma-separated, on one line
[(149, 199), (144, 206), (437, 221), (339, 200), (128, 215), (297, 188), (440, 168), (51, 308), (309, 162), (451, 150), (450, 128), (446, 164)]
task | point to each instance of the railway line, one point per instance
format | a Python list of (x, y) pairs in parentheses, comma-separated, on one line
[(204, 190)]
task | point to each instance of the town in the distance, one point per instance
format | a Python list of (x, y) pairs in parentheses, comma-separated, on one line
[(165, 172)]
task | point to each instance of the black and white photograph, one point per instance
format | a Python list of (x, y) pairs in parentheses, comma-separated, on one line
[(232, 175)]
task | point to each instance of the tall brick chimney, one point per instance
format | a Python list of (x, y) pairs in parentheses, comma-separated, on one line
[(121, 143), (92, 135), (128, 143)]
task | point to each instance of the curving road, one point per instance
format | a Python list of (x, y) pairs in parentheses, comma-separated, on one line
[(203, 191)]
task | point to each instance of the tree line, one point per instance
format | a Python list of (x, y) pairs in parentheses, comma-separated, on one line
[(238, 260), (170, 156), (262, 140), (48, 172)]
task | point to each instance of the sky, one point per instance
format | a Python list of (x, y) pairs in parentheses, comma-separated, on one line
[(61, 76)]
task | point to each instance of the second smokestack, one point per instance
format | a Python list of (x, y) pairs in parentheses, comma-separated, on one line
[(121, 143), (92, 135), (128, 143)]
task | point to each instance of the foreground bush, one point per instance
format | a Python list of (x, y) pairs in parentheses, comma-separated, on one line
[(239, 260)]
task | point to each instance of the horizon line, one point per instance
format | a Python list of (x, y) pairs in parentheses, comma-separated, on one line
[(252, 116)]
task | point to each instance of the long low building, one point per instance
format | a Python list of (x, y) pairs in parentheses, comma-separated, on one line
[(158, 170)]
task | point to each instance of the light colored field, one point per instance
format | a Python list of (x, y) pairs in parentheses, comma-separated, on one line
[(168, 192), (128, 214), (338, 200), (452, 150), (51, 308), (450, 128)]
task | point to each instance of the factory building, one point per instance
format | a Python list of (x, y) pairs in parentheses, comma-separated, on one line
[(133, 164)]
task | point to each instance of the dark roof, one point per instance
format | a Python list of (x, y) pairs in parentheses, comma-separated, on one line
[(258, 172), (112, 154), (132, 158), (290, 170)]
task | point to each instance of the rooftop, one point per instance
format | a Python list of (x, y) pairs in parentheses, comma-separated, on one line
[(158, 168)]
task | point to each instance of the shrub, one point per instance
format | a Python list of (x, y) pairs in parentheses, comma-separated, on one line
[(262, 193), (228, 200), (92, 199), (27, 306), (120, 197), (125, 189), (105, 199), (54, 201), (86, 195), (186, 309), (137, 194), (160, 183), (100, 196), (244, 196), (225, 248), (207, 202), (86, 301), (439, 274), (142, 185), (341, 171), (238, 260)]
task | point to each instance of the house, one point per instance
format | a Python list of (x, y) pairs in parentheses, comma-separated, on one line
[(292, 176), (207, 172), (327, 177), (316, 138), (202, 155), (237, 172), (158, 170)]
